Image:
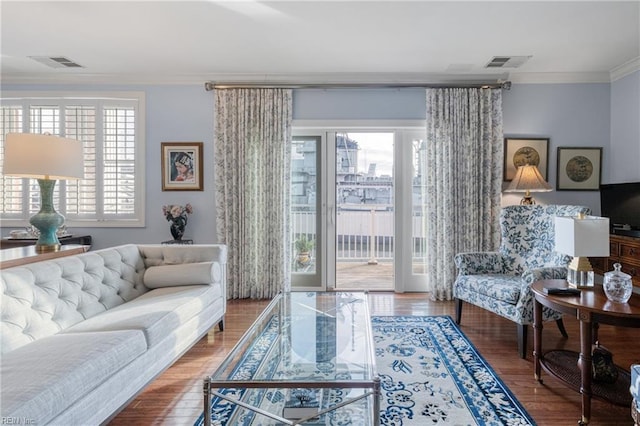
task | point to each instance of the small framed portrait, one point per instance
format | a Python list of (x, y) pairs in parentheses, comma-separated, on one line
[(182, 166), (521, 151), (579, 168)]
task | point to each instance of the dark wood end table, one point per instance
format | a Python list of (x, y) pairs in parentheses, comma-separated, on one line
[(591, 308)]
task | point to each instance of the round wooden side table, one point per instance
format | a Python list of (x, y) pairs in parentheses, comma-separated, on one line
[(590, 307)]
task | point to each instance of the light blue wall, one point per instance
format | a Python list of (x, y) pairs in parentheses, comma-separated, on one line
[(359, 104), (624, 158), (570, 115), (174, 114)]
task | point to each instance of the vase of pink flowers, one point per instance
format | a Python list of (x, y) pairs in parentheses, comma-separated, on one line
[(177, 215)]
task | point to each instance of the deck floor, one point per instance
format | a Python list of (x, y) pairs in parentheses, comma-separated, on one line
[(363, 276)]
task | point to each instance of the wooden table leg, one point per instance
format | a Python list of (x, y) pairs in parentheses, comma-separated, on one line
[(206, 390), (537, 338), (584, 362)]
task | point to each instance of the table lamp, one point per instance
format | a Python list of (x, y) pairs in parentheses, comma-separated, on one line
[(46, 158), (582, 236), (528, 179)]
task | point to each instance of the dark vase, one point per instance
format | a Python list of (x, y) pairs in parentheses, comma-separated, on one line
[(178, 224), (177, 231)]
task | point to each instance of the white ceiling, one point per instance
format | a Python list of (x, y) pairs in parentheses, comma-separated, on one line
[(331, 41)]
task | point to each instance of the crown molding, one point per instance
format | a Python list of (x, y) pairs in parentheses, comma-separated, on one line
[(78, 78), (408, 79), (625, 69), (559, 78)]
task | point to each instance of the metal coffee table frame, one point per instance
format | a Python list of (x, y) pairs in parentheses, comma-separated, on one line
[(282, 306)]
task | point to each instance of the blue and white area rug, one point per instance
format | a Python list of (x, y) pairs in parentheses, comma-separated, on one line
[(430, 372)]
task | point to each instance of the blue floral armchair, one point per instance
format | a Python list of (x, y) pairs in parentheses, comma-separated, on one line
[(635, 393), (499, 281)]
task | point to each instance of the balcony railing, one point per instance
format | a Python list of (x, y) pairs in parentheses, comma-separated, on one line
[(362, 235)]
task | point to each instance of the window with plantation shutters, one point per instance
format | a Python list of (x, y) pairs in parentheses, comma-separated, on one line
[(111, 131)]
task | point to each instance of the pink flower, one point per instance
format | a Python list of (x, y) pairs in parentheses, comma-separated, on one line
[(175, 210)]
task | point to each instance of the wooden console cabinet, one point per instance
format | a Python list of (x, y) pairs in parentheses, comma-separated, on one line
[(23, 255), (623, 250), (6, 243)]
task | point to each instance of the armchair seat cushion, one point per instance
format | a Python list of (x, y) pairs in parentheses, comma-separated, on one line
[(505, 288)]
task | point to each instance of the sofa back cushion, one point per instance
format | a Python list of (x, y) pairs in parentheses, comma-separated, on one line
[(528, 233), (198, 273), (157, 255), (42, 298)]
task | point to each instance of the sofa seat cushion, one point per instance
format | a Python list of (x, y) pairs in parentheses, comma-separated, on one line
[(505, 288), (43, 378), (156, 313)]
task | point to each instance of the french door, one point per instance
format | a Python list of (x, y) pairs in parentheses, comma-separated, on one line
[(356, 197)]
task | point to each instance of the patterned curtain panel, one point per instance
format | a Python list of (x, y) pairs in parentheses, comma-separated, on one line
[(252, 172), (464, 177)]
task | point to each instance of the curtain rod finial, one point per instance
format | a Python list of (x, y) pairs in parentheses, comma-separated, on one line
[(209, 86), (506, 85)]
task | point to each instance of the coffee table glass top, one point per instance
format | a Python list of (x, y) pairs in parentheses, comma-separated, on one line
[(306, 336)]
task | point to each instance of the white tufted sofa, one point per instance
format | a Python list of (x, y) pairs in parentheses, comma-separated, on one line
[(83, 335)]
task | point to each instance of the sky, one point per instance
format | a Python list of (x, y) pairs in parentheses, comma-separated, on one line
[(375, 148)]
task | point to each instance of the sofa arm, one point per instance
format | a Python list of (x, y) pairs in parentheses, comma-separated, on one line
[(473, 263), (549, 273)]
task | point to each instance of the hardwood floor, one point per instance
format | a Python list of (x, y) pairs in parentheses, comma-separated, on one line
[(175, 398)]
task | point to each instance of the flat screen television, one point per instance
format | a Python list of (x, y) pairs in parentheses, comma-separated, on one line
[(620, 202)]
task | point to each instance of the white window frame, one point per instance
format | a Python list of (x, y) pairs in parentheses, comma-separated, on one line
[(97, 99)]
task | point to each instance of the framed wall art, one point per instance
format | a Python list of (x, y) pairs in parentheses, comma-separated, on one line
[(579, 168), (182, 166), (521, 151)]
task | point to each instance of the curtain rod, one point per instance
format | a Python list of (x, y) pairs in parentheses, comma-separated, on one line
[(210, 85)]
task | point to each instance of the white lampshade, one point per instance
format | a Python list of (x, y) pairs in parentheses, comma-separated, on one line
[(528, 178), (43, 157), (582, 237)]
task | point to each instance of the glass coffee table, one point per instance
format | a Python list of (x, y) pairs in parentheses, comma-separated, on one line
[(304, 343)]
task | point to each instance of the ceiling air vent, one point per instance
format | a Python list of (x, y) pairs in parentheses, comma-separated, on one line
[(507, 61), (56, 61)]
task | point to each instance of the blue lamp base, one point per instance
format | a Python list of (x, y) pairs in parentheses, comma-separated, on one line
[(47, 220)]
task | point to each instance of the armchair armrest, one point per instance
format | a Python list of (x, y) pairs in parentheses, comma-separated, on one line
[(549, 273), (525, 302), (473, 263)]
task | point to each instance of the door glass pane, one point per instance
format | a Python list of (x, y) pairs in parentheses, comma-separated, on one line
[(304, 205), (419, 186), (365, 211)]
